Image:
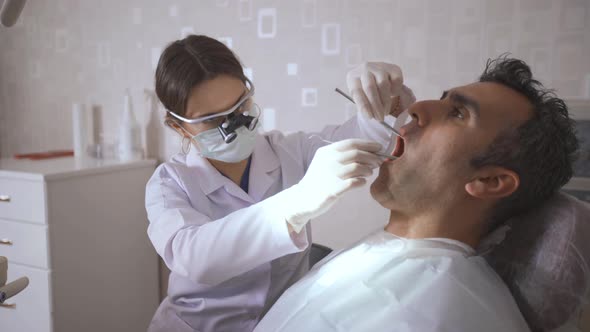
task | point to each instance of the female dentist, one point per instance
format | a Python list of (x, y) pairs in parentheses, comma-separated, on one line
[(229, 215)]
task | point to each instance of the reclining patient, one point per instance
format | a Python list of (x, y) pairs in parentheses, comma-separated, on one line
[(484, 152)]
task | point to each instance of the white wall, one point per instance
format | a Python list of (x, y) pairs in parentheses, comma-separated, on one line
[(65, 51)]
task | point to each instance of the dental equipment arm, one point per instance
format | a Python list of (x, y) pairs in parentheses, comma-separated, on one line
[(10, 11), (11, 289)]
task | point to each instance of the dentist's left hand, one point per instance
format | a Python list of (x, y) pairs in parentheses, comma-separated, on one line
[(378, 89)]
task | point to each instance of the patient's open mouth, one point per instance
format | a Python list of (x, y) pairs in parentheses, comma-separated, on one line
[(399, 147)]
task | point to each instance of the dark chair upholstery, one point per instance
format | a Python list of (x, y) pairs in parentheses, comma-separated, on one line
[(544, 261), (317, 253)]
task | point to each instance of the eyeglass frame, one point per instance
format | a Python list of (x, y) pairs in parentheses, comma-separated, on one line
[(221, 114)]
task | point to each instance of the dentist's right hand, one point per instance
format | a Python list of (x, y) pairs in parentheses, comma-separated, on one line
[(334, 170)]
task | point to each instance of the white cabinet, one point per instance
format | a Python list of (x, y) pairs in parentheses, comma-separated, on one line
[(78, 230), (23, 200)]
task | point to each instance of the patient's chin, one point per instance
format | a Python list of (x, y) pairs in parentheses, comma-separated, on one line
[(380, 193), (377, 186), (372, 190)]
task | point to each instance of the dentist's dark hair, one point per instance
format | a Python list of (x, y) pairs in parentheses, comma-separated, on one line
[(541, 151), (188, 62)]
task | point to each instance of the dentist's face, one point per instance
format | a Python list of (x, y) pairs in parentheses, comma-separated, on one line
[(216, 95), (440, 141)]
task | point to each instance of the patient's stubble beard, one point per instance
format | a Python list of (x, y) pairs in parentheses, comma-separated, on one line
[(416, 191)]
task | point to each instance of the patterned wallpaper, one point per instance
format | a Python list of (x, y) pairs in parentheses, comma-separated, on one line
[(296, 52)]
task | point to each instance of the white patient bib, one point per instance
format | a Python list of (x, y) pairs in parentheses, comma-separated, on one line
[(387, 283)]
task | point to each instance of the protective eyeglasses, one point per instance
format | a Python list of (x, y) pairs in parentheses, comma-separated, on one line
[(243, 113)]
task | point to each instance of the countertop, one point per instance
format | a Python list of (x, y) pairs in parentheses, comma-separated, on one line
[(58, 168)]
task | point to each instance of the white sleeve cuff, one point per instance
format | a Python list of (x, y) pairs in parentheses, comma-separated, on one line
[(277, 213)]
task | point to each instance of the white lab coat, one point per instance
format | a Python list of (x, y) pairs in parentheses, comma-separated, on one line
[(387, 283), (229, 251)]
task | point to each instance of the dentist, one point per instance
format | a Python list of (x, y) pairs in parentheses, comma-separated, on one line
[(229, 215)]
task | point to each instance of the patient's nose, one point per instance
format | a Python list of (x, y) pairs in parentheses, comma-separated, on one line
[(419, 118)]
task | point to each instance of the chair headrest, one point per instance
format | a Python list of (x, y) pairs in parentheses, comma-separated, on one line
[(544, 260)]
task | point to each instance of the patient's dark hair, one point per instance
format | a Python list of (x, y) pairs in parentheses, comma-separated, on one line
[(541, 151)]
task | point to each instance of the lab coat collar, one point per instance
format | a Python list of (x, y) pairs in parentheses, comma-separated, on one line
[(210, 178), (264, 161)]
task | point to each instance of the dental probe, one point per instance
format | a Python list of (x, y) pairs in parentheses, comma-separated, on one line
[(377, 153)]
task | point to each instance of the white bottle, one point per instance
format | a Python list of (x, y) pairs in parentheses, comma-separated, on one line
[(80, 129), (128, 148)]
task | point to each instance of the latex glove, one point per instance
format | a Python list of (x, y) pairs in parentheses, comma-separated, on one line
[(334, 170), (378, 89)]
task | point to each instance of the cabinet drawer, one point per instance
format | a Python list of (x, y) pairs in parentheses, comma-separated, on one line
[(24, 243), (22, 200), (32, 310)]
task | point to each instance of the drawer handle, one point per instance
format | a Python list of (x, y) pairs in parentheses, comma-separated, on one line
[(4, 199), (6, 242), (8, 305)]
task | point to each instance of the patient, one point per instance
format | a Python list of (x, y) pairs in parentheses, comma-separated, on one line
[(482, 153)]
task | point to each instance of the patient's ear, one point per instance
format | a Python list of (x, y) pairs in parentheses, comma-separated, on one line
[(493, 182)]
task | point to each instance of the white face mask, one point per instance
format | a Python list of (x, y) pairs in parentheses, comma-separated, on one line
[(212, 146)]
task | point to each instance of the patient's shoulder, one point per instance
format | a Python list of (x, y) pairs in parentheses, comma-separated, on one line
[(477, 285)]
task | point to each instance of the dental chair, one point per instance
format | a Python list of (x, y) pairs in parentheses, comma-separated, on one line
[(317, 253), (544, 259)]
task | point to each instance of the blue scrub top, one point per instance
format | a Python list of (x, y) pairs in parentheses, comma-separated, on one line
[(245, 181)]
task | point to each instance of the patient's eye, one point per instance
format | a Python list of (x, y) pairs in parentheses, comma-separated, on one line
[(457, 113)]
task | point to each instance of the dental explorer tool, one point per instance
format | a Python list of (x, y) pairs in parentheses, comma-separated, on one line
[(377, 153), (383, 123)]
